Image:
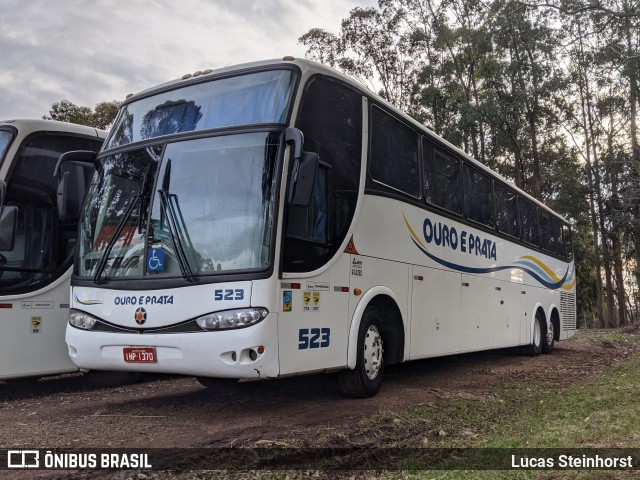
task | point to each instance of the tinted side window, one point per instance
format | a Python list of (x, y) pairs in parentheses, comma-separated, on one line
[(394, 153), (528, 221), (506, 210), (442, 178), (44, 246), (556, 237), (331, 121), (566, 240), (546, 241), (551, 234), (478, 196)]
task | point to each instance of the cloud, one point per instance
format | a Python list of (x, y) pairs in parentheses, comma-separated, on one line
[(88, 51)]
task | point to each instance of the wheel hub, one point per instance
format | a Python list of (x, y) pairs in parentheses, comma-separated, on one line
[(372, 352)]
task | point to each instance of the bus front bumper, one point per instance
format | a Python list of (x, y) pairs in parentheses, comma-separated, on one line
[(220, 354)]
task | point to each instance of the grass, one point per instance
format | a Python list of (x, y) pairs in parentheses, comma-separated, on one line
[(598, 412)]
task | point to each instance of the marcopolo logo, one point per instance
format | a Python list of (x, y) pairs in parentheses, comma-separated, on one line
[(141, 316)]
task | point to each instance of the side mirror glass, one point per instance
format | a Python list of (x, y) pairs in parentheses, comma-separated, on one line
[(8, 227), (303, 178), (74, 178), (74, 171)]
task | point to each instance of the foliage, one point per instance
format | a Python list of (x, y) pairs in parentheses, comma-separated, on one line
[(102, 116)]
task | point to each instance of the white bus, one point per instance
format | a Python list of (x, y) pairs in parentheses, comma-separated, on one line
[(275, 218), (37, 243)]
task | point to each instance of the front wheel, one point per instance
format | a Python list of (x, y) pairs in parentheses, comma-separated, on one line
[(364, 381)]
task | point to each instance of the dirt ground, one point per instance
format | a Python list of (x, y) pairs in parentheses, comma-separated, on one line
[(167, 412)]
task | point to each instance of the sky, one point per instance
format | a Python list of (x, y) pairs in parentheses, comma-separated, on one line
[(89, 51)]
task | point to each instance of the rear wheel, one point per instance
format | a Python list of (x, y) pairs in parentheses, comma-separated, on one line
[(536, 343), (548, 340), (364, 381)]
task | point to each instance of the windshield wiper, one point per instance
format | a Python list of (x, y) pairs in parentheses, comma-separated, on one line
[(105, 256), (146, 189), (172, 223)]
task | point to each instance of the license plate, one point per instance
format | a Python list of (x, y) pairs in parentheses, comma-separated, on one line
[(139, 354)]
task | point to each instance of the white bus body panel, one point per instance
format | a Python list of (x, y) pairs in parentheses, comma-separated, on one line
[(206, 353), (460, 300), (33, 330)]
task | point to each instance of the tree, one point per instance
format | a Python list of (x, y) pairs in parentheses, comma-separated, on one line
[(101, 117)]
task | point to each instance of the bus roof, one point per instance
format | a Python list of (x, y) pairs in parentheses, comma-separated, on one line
[(308, 68), (28, 126)]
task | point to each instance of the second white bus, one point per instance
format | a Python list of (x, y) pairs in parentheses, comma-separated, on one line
[(37, 243), (276, 218)]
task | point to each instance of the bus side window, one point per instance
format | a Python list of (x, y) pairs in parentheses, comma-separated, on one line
[(566, 240), (442, 178), (394, 154), (478, 196), (506, 210), (528, 221), (331, 120)]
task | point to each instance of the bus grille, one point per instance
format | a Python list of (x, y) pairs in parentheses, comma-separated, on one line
[(568, 310)]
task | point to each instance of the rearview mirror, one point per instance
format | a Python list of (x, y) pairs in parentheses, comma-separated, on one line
[(74, 171)]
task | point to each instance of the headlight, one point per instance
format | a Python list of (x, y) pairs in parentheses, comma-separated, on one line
[(82, 320), (242, 317)]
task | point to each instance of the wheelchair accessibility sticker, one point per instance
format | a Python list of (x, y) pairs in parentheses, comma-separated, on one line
[(155, 260)]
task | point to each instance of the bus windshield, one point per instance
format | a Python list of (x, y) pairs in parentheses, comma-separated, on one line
[(254, 98), (44, 245), (210, 212)]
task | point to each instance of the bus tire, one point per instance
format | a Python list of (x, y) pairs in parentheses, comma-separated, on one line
[(536, 342), (364, 381), (548, 339), (219, 386)]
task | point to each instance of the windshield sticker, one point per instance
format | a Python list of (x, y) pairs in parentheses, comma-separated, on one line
[(155, 260), (144, 300)]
